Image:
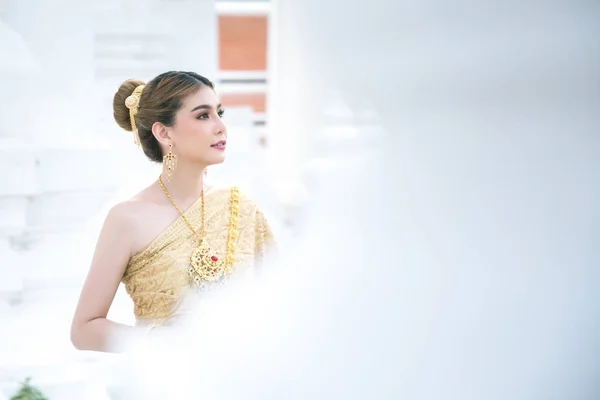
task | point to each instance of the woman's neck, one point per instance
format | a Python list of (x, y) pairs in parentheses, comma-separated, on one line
[(186, 183)]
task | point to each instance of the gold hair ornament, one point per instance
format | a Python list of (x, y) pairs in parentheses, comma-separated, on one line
[(133, 104)]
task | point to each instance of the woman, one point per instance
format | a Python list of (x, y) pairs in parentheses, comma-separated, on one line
[(177, 233)]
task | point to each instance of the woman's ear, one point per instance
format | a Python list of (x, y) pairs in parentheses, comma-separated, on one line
[(161, 133)]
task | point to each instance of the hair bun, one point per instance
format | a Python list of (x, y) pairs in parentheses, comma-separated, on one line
[(120, 110)]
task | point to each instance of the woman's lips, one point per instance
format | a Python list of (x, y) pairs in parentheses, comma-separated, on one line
[(220, 145)]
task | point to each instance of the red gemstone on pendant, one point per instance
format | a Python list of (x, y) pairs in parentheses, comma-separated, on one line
[(214, 258)]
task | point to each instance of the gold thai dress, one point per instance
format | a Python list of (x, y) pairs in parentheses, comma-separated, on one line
[(157, 278)]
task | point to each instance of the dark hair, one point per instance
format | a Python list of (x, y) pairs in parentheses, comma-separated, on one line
[(160, 100)]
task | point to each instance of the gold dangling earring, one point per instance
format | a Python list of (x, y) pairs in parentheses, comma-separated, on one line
[(169, 163), (205, 171)]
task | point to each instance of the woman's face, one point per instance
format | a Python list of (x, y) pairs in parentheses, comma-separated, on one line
[(199, 135)]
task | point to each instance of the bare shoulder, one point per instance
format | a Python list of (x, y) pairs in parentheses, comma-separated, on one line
[(122, 211), (143, 217), (121, 224), (127, 216), (119, 217), (128, 212), (143, 202)]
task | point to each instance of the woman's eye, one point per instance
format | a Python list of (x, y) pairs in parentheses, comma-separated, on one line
[(206, 115)]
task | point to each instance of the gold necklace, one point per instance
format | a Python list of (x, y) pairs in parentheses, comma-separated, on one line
[(205, 265)]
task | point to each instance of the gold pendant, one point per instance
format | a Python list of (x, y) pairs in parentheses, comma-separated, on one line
[(205, 265)]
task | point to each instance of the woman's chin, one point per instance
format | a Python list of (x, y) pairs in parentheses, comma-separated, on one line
[(216, 160)]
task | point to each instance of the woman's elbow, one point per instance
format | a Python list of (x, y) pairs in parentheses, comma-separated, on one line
[(77, 336)]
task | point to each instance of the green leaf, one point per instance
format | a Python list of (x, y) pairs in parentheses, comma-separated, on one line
[(28, 392)]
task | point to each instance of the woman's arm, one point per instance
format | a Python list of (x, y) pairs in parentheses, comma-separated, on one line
[(90, 330)]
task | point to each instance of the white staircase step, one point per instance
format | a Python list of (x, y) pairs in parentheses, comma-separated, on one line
[(13, 215), (11, 283), (65, 170), (17, 168), (67, 211)]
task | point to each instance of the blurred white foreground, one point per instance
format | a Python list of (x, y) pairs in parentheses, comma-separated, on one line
[(454, 258)]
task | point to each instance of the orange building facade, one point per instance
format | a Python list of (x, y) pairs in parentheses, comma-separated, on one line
[(242, 46)]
